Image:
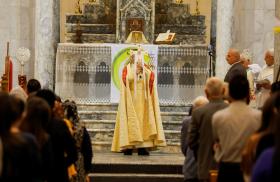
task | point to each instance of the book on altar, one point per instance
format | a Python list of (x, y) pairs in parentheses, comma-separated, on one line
[(165, 38)]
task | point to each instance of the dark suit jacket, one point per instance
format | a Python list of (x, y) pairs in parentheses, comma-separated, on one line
[(190, 167), (236, 69), (201, 137)]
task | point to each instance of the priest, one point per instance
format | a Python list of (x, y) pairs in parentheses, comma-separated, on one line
[(138, 123)]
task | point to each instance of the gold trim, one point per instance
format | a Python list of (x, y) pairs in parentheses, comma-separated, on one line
[(276, 29)]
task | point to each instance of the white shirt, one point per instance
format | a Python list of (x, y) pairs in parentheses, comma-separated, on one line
[(232, 127), (262, 96)]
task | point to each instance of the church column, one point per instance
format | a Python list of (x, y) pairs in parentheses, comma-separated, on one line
[(46, 39), (277, 39), (118, 38), (224, 34)]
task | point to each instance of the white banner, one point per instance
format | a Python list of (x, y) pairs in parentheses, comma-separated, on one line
[(120, 57)]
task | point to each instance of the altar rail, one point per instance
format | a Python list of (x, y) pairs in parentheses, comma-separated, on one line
[(83, 73)]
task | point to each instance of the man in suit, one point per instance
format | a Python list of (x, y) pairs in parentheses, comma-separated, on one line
[(236, 67), (200, 137), (232, 127), (190, 166)]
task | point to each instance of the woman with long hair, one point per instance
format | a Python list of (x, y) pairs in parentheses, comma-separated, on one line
[(38, 115), (83, 142), (20, 156)]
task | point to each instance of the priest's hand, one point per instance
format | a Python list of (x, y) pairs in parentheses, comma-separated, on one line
[(139, 69)]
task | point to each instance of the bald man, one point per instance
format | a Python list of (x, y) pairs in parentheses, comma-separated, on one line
[(236, 67), (200, 138), (265, 79)]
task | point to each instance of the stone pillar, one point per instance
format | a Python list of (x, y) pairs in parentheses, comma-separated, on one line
[(224, 32), (46, 39), (277, 40), (118, 38)]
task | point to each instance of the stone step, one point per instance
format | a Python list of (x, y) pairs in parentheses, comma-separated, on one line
[(92, 38), (110, 124), (83, 19), (135, 177), (157, 166), (105, 146), (92, 28), (107, 135), (187, 39), (181, 29), (114, 107), (111, 115)]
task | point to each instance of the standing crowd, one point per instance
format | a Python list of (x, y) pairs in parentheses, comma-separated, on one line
[(41, 138), (233, 134)]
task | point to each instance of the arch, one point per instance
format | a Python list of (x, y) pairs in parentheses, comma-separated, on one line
[(165, 74), (102, 73), (187, 75), (81, 74)]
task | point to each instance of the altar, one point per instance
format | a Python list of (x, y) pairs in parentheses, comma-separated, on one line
[(84, 72)]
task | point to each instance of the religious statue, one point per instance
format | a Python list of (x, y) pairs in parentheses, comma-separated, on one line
[(78, 9), (179, 1), (138, 122), (78, 34)]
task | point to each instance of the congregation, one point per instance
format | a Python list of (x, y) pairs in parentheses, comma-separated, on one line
[(233, 132), (41, 137)]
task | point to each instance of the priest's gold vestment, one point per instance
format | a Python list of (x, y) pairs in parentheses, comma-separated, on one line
[(138, 121)]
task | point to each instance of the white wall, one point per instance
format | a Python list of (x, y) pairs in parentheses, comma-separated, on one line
[(17, 27), (253, 24)]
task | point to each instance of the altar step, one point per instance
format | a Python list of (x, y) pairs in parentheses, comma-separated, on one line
[(111, 115), (99, 120), (92, 38), (158, 167)]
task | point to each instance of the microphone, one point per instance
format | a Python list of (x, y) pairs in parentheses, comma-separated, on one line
[(210, 50)]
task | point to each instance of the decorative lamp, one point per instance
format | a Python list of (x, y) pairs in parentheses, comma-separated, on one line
[(23, 56)]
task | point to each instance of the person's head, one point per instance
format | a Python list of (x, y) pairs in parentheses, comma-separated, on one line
[(233, 56), (19, 93), (48, 96), (214, 88), (269, 111), (246, 58), (36, 120), (239, 88), (10, 111), (71, 111), (269, 57), (58, 109), (38, 112), (198, 102), (33, 85)]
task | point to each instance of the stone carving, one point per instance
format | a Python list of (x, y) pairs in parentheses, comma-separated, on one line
[(110, 21), (189, 29), (83, 72), (136, 10)]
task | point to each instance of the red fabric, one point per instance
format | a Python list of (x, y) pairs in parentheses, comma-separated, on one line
[(124, 73), (151, 82), (10, 75)]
